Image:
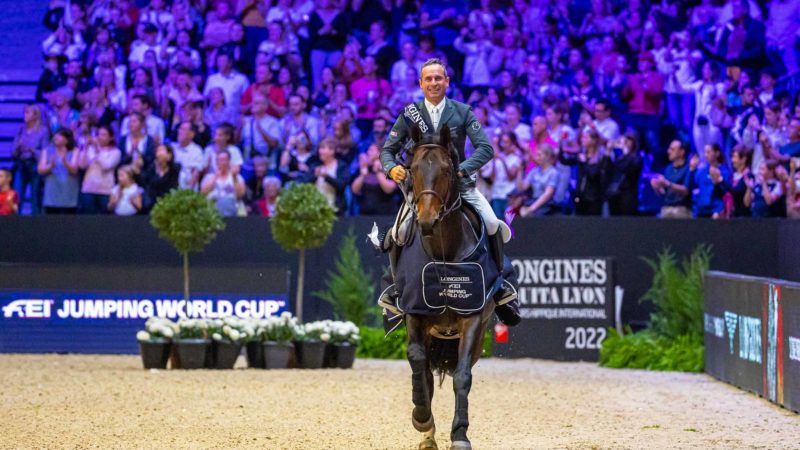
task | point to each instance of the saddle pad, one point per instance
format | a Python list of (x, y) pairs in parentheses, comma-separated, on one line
[(458, 286)]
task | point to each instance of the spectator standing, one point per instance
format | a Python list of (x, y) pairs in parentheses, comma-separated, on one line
[(626, 168), (643, 93), (741, 180), (327, 27), (138, 148), (218, 111), (99, 159), (31, 139), (162, 177), (543, 183), (765, 193), (58, 165), (189, 156), (223, 142), (674, 185), (594, 170), (502, 170), (369, 93), (374, 191), (712, 181), (232, 83), (332, 176), (260, 134)]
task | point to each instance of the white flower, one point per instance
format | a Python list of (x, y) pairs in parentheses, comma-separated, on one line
[(143, 336), (325, 337), (234, 335), (216, 337), (286, 315), (167, 332)]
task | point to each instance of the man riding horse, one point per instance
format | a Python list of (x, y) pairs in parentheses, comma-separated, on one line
[(434, 112)]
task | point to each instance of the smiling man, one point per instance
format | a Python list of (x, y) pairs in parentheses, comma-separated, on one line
[(430, 114)]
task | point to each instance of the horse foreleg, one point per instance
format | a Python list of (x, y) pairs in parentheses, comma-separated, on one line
[(421, 376), (462, 383)]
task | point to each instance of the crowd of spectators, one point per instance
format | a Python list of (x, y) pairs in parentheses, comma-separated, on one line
[(677, 107)]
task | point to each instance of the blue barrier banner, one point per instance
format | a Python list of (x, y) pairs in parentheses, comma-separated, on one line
[(107, 322)]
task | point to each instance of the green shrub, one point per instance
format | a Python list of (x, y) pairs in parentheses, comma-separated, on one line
[(349, 287), (674, 338), (374, 345)]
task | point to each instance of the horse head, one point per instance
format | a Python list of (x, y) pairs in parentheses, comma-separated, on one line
[(434, 164)]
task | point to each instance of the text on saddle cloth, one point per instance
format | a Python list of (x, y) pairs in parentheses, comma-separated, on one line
[(429, 287)]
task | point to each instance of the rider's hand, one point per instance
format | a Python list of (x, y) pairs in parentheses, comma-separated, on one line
[(398, 174)]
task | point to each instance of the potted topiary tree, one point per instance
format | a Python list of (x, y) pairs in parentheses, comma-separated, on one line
[(188, 221), (303, 220)]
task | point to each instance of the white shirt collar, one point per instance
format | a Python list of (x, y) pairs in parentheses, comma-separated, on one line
[(430, 107)]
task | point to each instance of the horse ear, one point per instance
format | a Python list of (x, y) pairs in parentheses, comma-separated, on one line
[(444, 136), (416, 133)]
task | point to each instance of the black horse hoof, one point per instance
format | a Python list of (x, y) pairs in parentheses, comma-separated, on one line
[(460, 445)]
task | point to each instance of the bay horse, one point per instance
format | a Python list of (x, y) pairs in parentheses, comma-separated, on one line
[(448, 233)]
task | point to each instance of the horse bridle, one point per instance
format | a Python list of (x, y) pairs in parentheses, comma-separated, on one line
[(444, 210)]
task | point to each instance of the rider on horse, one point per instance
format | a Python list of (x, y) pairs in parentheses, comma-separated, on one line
[(429, 115)]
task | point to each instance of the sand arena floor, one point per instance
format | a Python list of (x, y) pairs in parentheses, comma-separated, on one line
[(58, 401)]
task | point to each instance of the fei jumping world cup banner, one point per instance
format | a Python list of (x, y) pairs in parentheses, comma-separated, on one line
[(752, 335), (567, 306), (93, 322)]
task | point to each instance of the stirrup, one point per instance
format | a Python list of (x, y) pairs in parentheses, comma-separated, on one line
[(507, 293), (387, 300)]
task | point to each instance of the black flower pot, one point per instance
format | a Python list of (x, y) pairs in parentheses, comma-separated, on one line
[(345, 355), (310, 354), (193, 353), (155, 353), (255, 355), (224, 354), (276, 354), (329, 360)]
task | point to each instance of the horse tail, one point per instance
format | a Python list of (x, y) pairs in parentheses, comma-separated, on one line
[(444, 355)]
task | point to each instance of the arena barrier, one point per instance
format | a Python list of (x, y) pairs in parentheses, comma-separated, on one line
[(752, 335), (89, 258)]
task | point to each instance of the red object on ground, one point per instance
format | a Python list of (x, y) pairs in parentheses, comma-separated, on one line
[(501, 333)]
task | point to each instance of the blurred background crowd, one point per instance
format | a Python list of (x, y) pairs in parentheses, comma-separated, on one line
[(683, 108)]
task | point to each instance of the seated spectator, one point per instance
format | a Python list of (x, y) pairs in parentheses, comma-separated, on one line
[(374, 191), (331, 175), (157, 14), (626, 168), (260, 134), (594, 171), (295, 159), (61, 114), (792, 148), (181, 92), (65, 41), (276, 102), (542, 183), (217, 31), (143, 105), (508, 55), (255, 185), (741, 159), (502, 171), (30, 141), (674, 185), (583, 94), (58, 164), (162, 177), (558, 128), (369, 93), (408, 60), (218, 112), (513, 124), (126, 196), (380, 49), (712, 180), (540, 137), (765, 193), (407, 92), (225, 187), (99, 159), (223, 142), (148, 41), (237, 49), (323, 95), (297, 120), (138, 148), (231, 82), (9, 200), (189, 156), (606, 126), (193, 113), (281, 46), (268, 203), (793, 190)]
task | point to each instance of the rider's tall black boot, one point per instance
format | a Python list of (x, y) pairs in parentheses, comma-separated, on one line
[(388, 298), (507, 303)]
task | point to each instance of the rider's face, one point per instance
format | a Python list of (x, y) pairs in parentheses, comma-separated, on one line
[(434, 82)]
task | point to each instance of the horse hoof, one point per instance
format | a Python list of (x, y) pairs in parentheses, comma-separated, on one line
[(422, 426), (428, 444), (460, 445)]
